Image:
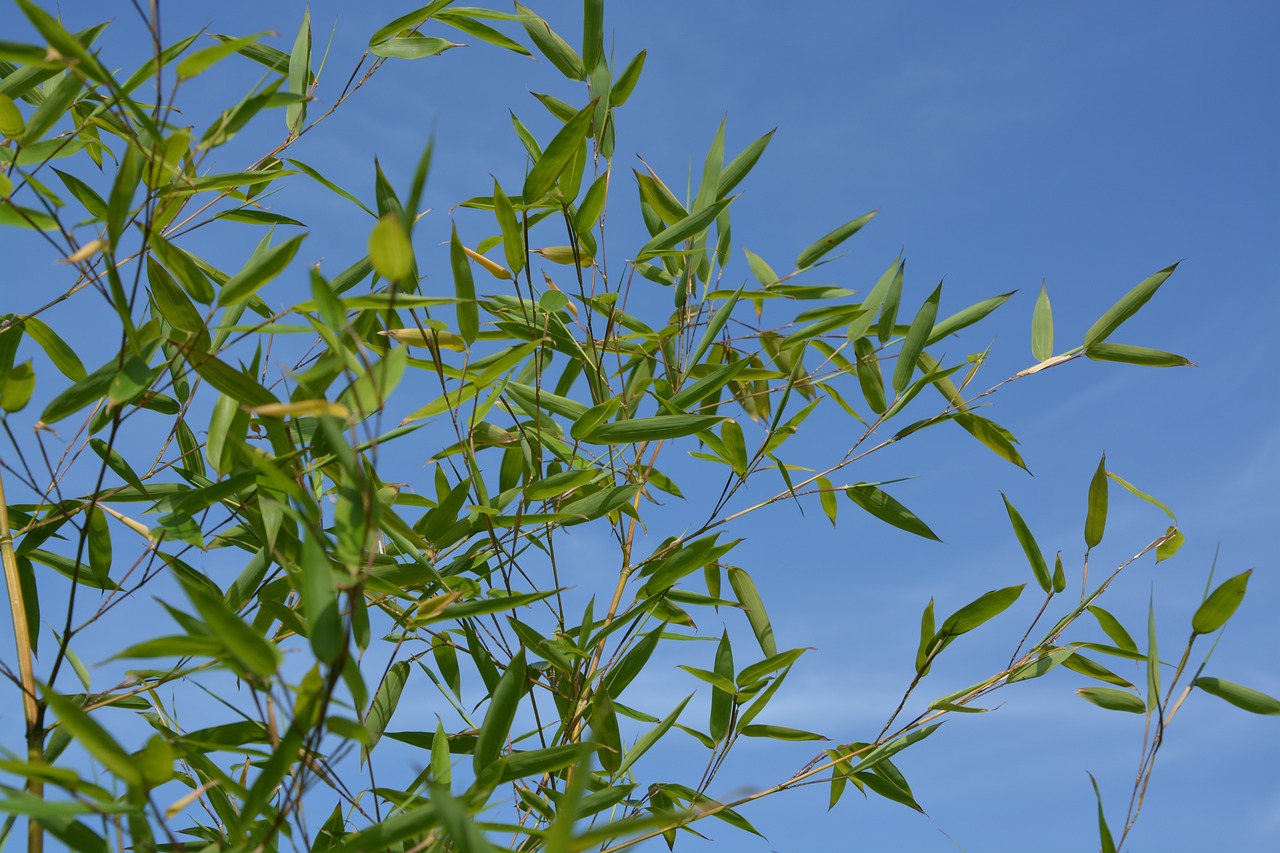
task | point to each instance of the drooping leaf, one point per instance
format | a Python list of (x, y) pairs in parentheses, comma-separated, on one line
[(1029, 546), (884, 507)]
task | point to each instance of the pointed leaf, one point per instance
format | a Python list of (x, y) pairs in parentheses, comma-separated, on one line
[(1251, 700), (1096, 520), (885, 508), (1126, 307), (1221, 604), (807, 258)]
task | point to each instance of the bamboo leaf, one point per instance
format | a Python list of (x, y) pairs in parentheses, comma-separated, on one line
[(556, 156), (385, 702), (465, 289), (94, 738), (1144, 356), (744, 589), (685, 229), (1042, 327), (887, 509), (1029, 546), (1221, 604), (259, 270), (496, 727), (914, 342), (1113, 699), (807, 258), (1096, 520), (1126, 307), (412, 47), (1253, 701), (552, 46), (650, 429)]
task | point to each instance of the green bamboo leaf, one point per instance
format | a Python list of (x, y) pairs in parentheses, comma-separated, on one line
[(1221, 604), (259, 270), (593, 418), (914, 342), (685, 229), (441, 765), (552, 46), (1029, 546), (632, 663), (85, 194), (465, 290), (408, 22), (12, 124), (299, 74), (966, 317), (1144, 356), (997, 438), (650, 429), (604, 731), (735, 446), (329, 185), (744, 589), (53, 107), (1113, 699), (320, 601), (827, 497), (16, 387), (503, 703), (184, 268), (412, 47), (1153, 657), (1171, 545), (99, 536), (713, 329), (203, 59), (649, 738), (1104, 832), (1128, 305), (626, 82), (1253, 701), (174, 304), (557, 155), (869, 378), (94, 738), (385, 702), (741, 165), (757, 671), (885, 508), (927, 632), (1134, 490), (93, 387), (63, 356), (982, 609), (484, 32), (722, 697), (234, 383), (512, 235), (592, 33), (250, 651), (1042, 327), (779, 733), (807, 258), (1096, 520), (1112, 628), (389, 248)]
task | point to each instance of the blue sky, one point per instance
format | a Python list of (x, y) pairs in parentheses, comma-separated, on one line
[(1087, 145)]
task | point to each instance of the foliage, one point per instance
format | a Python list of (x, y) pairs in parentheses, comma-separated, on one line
[(305, 585)]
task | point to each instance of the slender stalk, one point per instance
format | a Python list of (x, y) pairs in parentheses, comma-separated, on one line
[(26, 671)]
